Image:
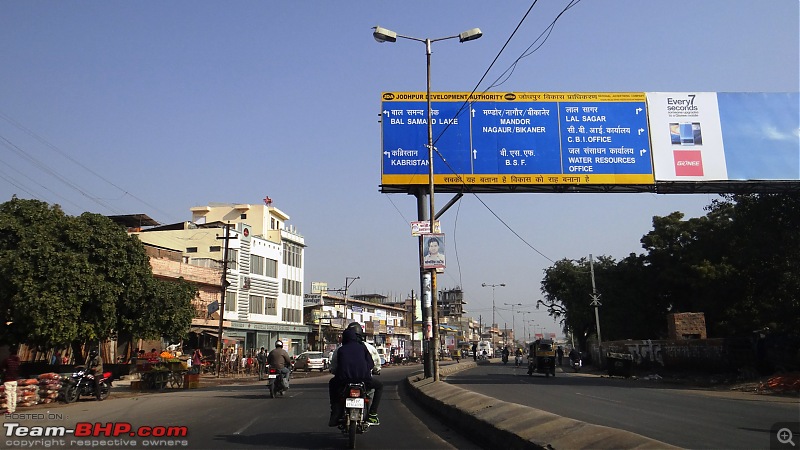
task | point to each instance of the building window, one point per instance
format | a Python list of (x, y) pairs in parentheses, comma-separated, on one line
[(271, 268), (292, 287), (191, 249), (230, 300), (271, 306), (272, 223), (257, 264), (291, 315), (233, 258), (215, 248), (243, 216), (292, 255), (256, 304)]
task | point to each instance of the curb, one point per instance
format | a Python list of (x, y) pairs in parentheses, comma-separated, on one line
[(488, 421)]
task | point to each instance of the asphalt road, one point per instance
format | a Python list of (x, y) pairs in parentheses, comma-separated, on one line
[(241, 417), (688, 418)]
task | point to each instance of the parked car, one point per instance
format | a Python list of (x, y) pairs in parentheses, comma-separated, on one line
[(311, 361)]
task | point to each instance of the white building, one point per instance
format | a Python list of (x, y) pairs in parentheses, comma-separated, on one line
[(265, 275)]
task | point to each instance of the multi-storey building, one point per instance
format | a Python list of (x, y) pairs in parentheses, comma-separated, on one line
[(264, 276), (384, 323)]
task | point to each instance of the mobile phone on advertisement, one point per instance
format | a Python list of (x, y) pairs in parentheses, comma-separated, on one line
[(686, 133)]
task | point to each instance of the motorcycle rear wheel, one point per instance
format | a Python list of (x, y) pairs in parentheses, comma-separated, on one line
[(105, 390), (351, 434)]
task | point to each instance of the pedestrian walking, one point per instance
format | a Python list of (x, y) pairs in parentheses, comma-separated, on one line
[(475, 352), (261, 357)]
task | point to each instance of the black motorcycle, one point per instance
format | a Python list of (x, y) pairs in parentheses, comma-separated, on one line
[(275, 382), (82, 383), (354, 401)]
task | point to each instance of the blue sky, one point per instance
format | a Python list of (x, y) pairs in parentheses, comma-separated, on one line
[(155, 107)]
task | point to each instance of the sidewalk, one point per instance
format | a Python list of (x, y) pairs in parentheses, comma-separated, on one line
[(124, 384)]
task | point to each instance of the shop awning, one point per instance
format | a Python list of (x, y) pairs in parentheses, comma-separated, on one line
[(204, 330)]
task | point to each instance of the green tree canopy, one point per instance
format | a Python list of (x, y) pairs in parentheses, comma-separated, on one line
[(81, 279), (738, 265)]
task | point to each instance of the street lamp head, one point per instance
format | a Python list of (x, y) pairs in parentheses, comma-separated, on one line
[(383, 35), (503, 284), (483, 284), (469, 35)]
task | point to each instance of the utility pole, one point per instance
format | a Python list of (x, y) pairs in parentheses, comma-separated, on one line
[(225, 283), (413, 319), (347, 282), (595, 302)]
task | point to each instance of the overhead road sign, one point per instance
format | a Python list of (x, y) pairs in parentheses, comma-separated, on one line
[(507, 141)]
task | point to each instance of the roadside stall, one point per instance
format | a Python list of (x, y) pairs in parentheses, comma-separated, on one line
[(166, 370)]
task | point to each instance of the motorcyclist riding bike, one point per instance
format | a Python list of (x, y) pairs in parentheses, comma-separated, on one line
[(94, 364), (354, 362), (518, 356), (574, 355), (279, 359)]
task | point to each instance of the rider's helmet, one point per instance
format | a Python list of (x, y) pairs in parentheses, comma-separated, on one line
[(355, 326), (279, 343), (93, 353)]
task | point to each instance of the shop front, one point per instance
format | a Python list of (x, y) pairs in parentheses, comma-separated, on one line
[(256, 335)]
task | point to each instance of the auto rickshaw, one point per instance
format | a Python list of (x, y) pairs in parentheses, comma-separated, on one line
[(542, 357)]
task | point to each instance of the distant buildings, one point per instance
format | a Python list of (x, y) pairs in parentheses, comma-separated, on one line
[(265, 284)]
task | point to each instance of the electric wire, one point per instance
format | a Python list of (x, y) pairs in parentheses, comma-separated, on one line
[(461, 109), (56, 149), (43, 167), (21, 186)]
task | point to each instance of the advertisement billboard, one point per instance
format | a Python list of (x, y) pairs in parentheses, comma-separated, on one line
[(725, 136)]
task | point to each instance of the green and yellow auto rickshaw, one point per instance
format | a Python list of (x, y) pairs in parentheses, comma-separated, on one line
[(542, 357)]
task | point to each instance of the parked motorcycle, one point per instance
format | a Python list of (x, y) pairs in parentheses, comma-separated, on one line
[(275, 382), (82, 383), (355, 404)]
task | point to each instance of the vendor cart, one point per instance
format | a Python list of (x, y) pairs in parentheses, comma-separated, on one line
[(165, 373)]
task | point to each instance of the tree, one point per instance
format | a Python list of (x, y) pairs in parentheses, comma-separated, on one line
[(765, 249), (80, 279), (40, 278), (738, 265)]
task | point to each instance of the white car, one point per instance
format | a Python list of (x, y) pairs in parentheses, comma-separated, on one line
[(311, 361)]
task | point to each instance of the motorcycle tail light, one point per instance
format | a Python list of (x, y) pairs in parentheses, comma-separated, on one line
[(354, 393)]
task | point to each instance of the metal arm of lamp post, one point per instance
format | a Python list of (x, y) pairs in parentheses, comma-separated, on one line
[(429, 307)]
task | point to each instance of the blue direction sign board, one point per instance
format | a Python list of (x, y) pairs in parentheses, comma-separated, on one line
[(517, 138)]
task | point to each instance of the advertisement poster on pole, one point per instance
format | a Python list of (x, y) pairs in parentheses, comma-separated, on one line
[(433, 245), (418, 228)]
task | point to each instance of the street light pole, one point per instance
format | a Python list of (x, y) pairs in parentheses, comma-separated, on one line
[(493, 308), (427, 280), (347, 282), (512, 305)]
